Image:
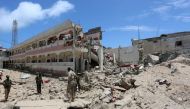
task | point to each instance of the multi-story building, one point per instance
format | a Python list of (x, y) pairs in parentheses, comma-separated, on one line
[(53, 51), (175, 42), (3, 56)]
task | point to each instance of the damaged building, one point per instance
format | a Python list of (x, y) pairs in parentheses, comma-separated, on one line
[(175, 42), (166, 43), (3, 56), (53, 51), (124, 55)]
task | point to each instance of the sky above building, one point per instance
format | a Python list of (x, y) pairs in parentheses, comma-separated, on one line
[(119, 19)]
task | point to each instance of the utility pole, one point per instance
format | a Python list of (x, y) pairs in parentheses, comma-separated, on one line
[(14, 33), (74, 46)]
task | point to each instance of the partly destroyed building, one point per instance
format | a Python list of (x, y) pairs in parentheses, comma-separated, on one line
[(55, 50), (124, 55), (176, 42), (3, 56)]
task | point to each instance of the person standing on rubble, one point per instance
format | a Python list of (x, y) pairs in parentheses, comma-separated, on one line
[(1, 74), (140, 49), (72, 84), (39, 82), (7, 86)]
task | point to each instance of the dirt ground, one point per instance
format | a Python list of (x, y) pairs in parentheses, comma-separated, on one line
[(157, 88)]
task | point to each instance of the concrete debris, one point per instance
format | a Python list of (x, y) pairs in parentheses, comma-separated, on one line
[(126, 83), (106, 95), (62, 79), (163, 81), (128, 86), (167, 56), (153, 59), (25, 76)]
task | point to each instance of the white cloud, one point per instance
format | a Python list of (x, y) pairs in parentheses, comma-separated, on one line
[(171, 5), (180, 3), (170, 10), (163, 9), (59, 8), (183, 18), (132, 28), (29, 12)]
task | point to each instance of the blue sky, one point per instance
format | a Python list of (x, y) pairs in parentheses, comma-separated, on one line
[(119, 19)]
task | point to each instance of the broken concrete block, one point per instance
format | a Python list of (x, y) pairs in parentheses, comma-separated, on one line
[(107, 91), (119, 88), (101, 77), (127, 83), (79, 104), (167, 56), (62, 79), (163, 81), (123, 102), (152, 59)]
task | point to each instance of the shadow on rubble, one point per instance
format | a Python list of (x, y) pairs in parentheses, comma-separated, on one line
[(75, 108), (44, 72)]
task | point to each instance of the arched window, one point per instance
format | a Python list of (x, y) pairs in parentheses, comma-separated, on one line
[(52, 40), (62, 57), (34, 59), (61, 36)]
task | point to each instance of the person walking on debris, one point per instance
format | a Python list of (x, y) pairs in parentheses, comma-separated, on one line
[(39, 82), (72, 85), (7, 86)]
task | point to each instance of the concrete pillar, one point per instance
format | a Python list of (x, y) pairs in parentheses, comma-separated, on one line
[(100, 57), (114, 60)]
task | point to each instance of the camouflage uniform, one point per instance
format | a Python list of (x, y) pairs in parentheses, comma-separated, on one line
[(39, 82), (7, 86), (72, 85), (140, 55), (1, 74)]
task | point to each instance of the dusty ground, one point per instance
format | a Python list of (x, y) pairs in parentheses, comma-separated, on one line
[(148, 95)]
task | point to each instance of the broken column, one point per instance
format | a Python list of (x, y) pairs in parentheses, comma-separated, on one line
[(114, 60), (100, 57)]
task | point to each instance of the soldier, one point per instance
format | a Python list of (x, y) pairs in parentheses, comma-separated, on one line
[(140, 49), (39, 82), (72, 85), (1, 74), (7, 86)]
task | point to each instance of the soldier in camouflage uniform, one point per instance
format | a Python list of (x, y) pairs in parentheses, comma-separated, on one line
[(72, 85), (7, 86), (140, 49), (39, 82)]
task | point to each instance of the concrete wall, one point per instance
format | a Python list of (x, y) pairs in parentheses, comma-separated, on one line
[(165, 44), (127, 54)]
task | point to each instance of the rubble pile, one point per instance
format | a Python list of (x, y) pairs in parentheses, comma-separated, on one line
[(160, 86)]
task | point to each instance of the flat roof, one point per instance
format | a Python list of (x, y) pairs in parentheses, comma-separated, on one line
[(65, 25)]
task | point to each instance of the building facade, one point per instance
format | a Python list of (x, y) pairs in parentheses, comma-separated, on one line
[(125, 55), (176, 42), (3, 56), (55, 50)]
